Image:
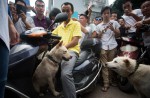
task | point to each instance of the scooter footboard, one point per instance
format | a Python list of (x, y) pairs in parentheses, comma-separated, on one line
[(86, 73)]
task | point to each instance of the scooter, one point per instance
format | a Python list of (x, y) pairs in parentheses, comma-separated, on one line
[(23, 62)]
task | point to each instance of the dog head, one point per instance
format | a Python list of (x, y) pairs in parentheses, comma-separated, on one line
[(122, 65), (60, 52)]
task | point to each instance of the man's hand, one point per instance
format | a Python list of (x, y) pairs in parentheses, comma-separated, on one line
[(127, 27), (111, 26), (138, 24), (14, 36), (23, 16), (15, 17)]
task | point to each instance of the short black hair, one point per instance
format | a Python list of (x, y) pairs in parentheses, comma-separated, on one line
[(68, 3), (20, 1), (125, 1), (105, 8), (54, 12), (114, 12), (145, 1), (39, 1), (84, 15), (121, 18)]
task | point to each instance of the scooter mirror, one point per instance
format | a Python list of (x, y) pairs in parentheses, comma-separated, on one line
[(61, 17)]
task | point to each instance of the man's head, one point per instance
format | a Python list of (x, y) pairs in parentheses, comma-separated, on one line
[(39, 7), (53, 13), (114, 16), (121, 22), (83, 19), (68, 8), (12, 7), (145, 7), (127, 6), (106, 13), (97, 20), (20, 6)]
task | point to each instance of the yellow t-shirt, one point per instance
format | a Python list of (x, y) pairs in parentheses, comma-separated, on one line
[(72, 29)]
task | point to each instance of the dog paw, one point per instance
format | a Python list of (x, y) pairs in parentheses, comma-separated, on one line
[(57, 93), (41, 94)]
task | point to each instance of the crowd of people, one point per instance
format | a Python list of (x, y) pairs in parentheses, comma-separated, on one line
[(104, 29)]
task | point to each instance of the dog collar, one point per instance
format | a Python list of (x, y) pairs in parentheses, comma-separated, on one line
[(136, 67), (51, 58)]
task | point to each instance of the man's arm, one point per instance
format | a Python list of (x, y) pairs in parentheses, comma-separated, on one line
[(74, 42), (14, 36), (140, 23), (84, 30), (137, 18), (23, 16)]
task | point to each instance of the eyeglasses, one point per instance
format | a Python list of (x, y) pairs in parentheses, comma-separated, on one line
[(42, 6), (98, 19)]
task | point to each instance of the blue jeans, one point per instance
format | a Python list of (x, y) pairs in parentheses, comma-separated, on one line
[(4, 59)]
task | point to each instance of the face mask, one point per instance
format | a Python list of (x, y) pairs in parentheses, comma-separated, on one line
[(20, 9)]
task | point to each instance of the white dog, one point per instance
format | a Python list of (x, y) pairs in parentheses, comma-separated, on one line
[(137, 74), (44, 74)]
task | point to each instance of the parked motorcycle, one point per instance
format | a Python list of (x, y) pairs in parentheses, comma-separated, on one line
[(23, 62)]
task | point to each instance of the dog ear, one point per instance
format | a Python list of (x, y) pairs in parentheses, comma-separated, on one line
[(127, 62), (59, 44)]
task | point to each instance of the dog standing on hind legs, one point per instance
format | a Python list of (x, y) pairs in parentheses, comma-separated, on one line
[(137, 74), (45, 72)]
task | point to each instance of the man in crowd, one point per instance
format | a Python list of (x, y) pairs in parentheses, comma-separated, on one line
[(8, 36), (40, 20), (106, 31), (114, 16), (70, 31), (21, 21), (131, 17), (145, 7)]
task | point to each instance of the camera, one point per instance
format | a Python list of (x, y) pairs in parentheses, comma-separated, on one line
[(145, 28), (20, 9)]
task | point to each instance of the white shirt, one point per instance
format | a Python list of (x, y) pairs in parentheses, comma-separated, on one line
[(4, 32), (85, 36), (130, 21), (108, 37), (20, 26)]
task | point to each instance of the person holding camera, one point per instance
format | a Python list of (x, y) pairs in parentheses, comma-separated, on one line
[(145, 7), (21, 21)]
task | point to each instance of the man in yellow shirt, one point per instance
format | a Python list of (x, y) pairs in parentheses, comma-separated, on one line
[(70, 31)]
